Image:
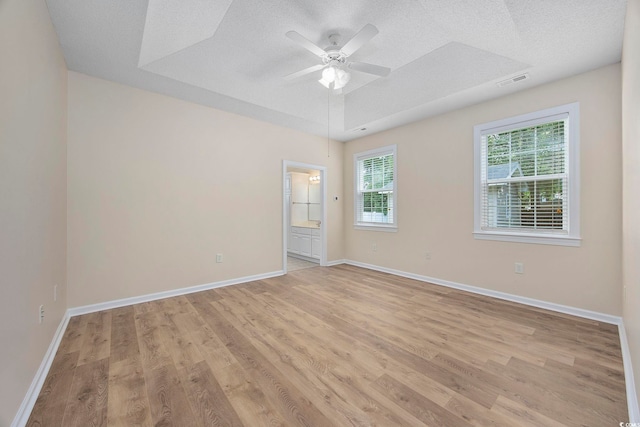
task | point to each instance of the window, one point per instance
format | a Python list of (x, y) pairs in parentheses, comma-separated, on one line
[(527, 178), (375, 189)]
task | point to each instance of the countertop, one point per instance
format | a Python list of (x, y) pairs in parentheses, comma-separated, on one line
[(307, 224)]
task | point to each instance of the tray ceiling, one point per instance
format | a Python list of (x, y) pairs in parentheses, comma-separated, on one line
[(233, 54)]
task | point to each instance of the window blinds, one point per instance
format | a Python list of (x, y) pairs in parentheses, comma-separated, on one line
[(524, 177)]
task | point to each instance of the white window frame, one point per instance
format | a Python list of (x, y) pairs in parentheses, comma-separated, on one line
[(357, 157), (572, 237)]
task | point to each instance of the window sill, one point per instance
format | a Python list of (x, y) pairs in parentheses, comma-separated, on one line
[(528, 238), (376, 227)]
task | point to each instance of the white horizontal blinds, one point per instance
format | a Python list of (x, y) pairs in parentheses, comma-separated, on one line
[(525, 178), (375, 189)]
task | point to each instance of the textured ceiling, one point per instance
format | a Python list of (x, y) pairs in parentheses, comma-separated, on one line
[(233, 54)]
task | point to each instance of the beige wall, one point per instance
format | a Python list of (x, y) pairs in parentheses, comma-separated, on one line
[(33, 93), (158, 186), (631, 182), (435, 202)]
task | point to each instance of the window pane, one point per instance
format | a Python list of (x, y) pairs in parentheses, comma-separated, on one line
[(532, 151), (376, 207), (533, 205), (551, 149), (376, 173), (498, 149)]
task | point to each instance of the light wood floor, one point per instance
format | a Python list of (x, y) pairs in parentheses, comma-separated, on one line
[(338, 346), (294, 264)]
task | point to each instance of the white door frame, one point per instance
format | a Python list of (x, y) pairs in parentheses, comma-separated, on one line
[(286, 164)]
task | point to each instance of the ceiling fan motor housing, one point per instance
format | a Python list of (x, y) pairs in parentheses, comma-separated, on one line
[(334, 57)]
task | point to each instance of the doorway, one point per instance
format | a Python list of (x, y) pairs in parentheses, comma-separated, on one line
[(303, 215)]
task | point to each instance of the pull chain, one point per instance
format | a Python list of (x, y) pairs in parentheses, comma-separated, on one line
[(328, 142)]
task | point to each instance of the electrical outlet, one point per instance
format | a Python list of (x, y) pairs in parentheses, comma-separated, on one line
[(55, 293), (519, 268), (218, 257), (40, 314), (374, 247), (427, 256)]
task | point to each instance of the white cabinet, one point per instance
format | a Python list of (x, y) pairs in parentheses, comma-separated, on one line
[(305, 245), (294, 243), (306, 242), (316, 243)]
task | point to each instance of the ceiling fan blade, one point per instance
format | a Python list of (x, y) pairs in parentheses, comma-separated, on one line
[(376, 70), (304, 72), (302, 41), (364, 35)]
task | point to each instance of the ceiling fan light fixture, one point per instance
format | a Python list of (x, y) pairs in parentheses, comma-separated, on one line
[(329, 74), (334, 75), (324, 82), (342, 78), (338, 85)]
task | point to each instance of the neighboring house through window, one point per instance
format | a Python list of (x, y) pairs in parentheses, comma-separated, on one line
[(527, 178), (375, 189)]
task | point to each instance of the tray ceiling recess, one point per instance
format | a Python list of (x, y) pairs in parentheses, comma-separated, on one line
[(405, 60)]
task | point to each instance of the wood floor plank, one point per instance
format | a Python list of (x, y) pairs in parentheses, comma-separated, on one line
[(167, 398), (599, 404), (88, 398), (128, 401), (208, 343), (179, 344), (52, 400), (422, 408), (74, 335), (287, 399), (331, 347), (317, 371), (152, 349), (477, 415), (97, 338), (247, 397), (359, 359), (124, 340), (521, 415), (208, 401), (542, 398), (381, 322), (449, 379)]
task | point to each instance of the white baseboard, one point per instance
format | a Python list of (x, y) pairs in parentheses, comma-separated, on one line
[(587, 314), (335, 262), (632, 397), (30, 398), (92, 308)]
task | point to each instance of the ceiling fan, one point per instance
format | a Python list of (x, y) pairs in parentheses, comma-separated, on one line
[(335, 58)]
